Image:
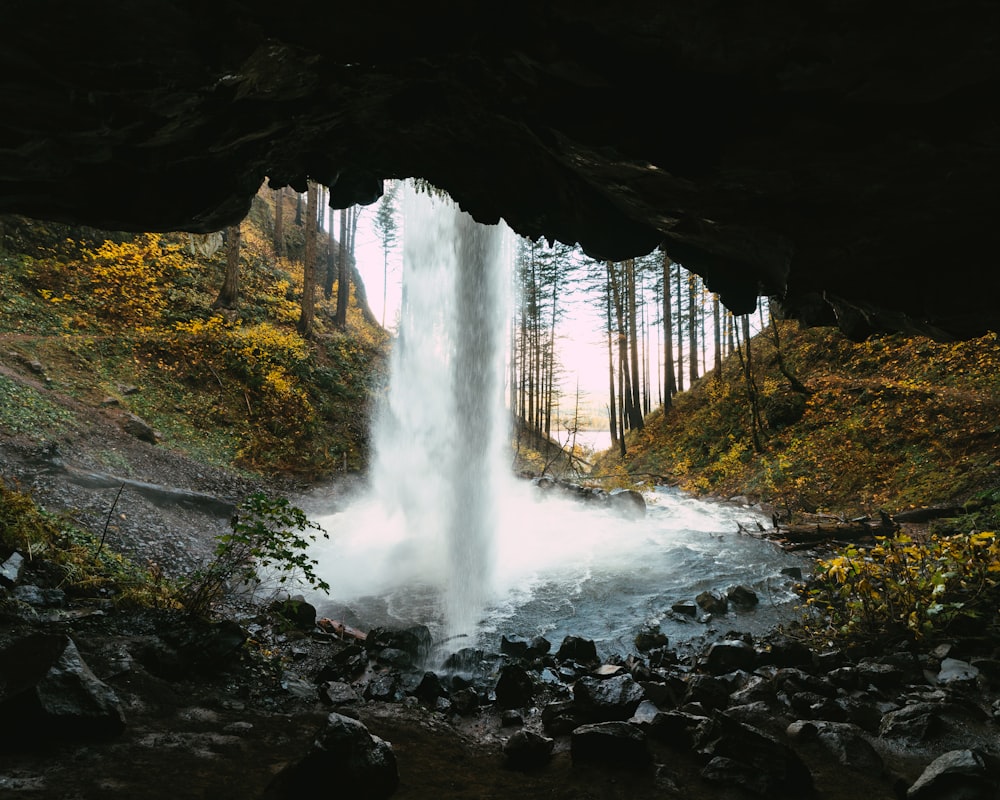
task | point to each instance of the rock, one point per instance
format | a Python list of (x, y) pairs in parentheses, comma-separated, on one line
[(360, 764), (851, 748), (38, 597), (753, 760), (957, 673), (729, 655), (802, 731), (430, 688), (712, 602), (618, 744), (11, 569), (296, 610), (528, 750), (384, 687), (205, 648), (609, 671), (415, 640), (686, 608), (394, 657), (956, 775), (466, 661), (515, 687), (465, 701), (795, 573), (742, 597), (140, 429), (515, 646), (610, 699), (539, 646), (582, 651), (563, 717), (917, 722), (708, 691), (786, 652), (650, 638), (627, 502), (677, 728), (338, 694), (47, 692), (345, 665), (511, 718)]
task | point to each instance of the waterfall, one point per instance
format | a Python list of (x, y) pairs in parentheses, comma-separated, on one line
[(439, 436)]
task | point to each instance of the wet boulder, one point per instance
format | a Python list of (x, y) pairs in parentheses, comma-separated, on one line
[(527, 749), (515, 687), (729, 655), (712, 602), (614, 698), (740, 755), (415, 640), (957, 775), (615, 743), (628, 503), (850, 747), (574, 648), (742, 597), (48, 692), (361, 764), (563, 717)]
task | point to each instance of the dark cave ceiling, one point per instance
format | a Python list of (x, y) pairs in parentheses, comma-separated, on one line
[(841, 156)]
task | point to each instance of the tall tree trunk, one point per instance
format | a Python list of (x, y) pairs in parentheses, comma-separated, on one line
[(229, 294), (612, 404), (636, 421), (330, 274), (717, 332), (343, 274), (279, 222), (692, 329), (680, 333), (624, 373), (669, 380), (298, 208), (309, 266), (753, 395)]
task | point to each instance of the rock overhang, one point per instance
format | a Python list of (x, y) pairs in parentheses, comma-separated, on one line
[(838, 156)]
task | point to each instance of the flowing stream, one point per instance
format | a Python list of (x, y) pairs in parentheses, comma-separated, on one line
[(446, 537)]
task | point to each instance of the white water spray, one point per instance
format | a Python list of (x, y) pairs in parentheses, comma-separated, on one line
[(439, 436)]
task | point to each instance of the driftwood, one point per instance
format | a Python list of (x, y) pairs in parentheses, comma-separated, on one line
[(802, 536)]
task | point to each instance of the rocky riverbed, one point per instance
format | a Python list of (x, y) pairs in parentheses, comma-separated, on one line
[(102, 703)]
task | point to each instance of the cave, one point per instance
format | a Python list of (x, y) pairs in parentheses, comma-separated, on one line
[(838, 156)]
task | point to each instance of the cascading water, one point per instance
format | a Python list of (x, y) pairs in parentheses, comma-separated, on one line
[(447, 538), (438, 438)]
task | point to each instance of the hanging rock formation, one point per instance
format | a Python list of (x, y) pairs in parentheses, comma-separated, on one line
[(838, 155)]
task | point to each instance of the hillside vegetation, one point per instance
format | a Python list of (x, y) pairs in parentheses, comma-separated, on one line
[(114, 319), (889, 423)]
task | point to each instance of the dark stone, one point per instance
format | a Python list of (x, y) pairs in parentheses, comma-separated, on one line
[(742, 597), (753, 760), (539, 647), (677, 729), (296, 610), (786, 652), (849, 746), (465, 701), (47, 692), (511, 718), (466, 661), (140, 429), (628, 502), (649, 639), (686, 608), (528, 750), (338, 694), (712, 602), (362, 765), (608, 699), (957, 775), (707, 691), (729, 655), (345, 665), (515, 646), (515, 687), (430, 688), (394, 657), (384, 687), (39, 597), (563, 717), (918, 722), (200, 647), (416, 641), (582, 651), (617, 744)]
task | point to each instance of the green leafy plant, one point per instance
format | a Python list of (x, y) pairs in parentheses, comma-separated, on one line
[(902, 586), (266, 548)]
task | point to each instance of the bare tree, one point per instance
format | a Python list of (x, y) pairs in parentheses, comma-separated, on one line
[(308, 314)]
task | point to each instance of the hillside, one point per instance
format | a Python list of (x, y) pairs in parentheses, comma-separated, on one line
[(889, 423), (125, 323)]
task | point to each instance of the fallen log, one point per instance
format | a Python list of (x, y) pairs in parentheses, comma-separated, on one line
[(848, 531)]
